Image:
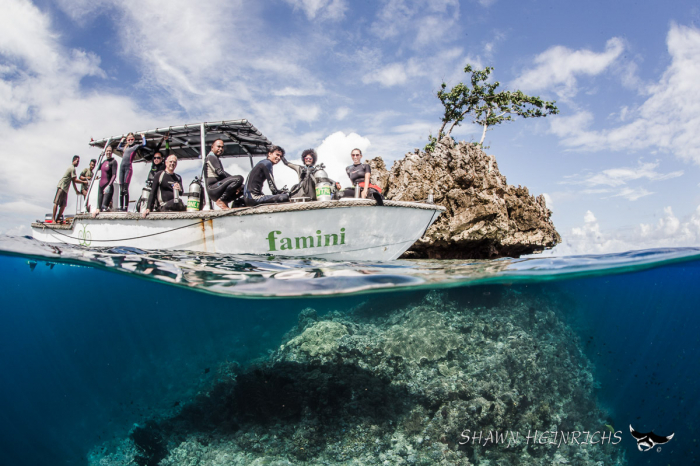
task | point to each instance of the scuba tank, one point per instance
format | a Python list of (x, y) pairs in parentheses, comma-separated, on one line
[(324, 185), (194, 196), (143, 200)]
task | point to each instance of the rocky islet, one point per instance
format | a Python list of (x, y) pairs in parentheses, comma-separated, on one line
[(486, 217)]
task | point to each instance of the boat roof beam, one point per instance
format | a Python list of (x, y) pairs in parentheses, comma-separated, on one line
[(189, 142)]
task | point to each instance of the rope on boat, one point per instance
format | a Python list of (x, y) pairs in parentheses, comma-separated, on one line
[(128, 239)]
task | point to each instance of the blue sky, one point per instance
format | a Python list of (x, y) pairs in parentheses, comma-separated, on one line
[(618, 165)]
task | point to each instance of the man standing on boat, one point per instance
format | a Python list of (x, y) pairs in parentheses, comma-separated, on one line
[(61, 198), (263, 172), (222, 188), (85, 177), (166, 184)]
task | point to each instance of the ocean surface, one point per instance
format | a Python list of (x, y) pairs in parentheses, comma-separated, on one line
[(119, 356)]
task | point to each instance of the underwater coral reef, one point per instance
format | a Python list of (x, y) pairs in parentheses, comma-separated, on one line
[(375, 385)]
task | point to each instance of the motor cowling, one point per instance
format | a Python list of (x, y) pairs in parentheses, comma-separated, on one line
[(194, 196)]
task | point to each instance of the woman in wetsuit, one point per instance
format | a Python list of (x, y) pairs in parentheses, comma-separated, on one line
[(125, 169), (222, 188), (358, 173), (307, 183), (108, 173)]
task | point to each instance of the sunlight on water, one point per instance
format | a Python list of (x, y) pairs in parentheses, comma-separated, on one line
[(269, 276)]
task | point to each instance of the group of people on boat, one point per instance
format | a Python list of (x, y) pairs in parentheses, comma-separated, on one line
[(223, 189)]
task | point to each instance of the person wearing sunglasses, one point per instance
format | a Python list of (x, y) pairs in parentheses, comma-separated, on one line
[(359, 174), (157, 159)]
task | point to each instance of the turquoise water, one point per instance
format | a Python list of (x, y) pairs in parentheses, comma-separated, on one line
[(118, 357)]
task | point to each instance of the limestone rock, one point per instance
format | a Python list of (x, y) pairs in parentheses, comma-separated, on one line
[(485, 218)]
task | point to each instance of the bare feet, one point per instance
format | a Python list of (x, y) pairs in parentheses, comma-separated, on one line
[(94, 214), (222, 205)]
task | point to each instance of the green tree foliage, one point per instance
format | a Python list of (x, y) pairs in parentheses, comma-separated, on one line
[(487, 107)]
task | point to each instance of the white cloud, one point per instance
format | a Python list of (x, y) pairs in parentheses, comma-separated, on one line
[(613, 181), (390, 75), (558, 68), (632, 194), (341, 113), (429, 21), (335, 150), (449, 61), (45, 116), (320, 9), (668, 120), (620, 176), (668, 231)]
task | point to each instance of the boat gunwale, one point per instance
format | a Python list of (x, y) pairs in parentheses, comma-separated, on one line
[(243, 211)]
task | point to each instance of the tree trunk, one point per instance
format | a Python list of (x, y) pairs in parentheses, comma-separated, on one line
[(483, 135)]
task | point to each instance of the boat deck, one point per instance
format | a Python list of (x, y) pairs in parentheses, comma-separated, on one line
[(257, 210)]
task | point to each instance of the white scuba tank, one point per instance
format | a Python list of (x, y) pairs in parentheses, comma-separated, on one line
[(194, 197), (323, 186)]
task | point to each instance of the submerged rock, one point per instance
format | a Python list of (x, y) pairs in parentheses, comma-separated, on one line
[(485, 218), (382, 386)]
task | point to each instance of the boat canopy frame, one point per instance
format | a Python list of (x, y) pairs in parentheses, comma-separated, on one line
[(241, 139)]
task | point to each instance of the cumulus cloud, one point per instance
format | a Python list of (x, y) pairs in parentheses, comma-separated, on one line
[(335, 150), (667, 120), (668, 231), (558, 68)]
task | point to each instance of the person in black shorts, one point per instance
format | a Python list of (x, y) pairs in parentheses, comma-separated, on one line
[(261, 173), (222, 188)]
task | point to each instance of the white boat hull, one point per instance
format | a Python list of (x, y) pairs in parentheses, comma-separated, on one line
[(352, 230)]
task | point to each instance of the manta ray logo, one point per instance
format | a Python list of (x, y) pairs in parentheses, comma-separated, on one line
[(646, 442)]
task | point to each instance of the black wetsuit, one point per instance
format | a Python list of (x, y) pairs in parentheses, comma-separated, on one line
[(253, 186), (108, 173), (307, 181), (356, 173), (162, 193), (220, 185), (155, 167)]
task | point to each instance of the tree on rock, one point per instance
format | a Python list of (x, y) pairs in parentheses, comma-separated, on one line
[(487, 107)]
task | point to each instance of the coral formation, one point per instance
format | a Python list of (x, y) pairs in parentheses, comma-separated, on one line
[(378, 386), (485, 218)]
